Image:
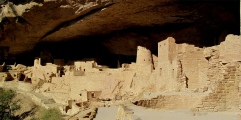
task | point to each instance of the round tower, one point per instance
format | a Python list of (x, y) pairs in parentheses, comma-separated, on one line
[(144, 56)]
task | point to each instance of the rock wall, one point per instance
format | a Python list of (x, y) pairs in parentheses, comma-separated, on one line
[(119, 28), (225, 95), (171, 102), (224, 76)]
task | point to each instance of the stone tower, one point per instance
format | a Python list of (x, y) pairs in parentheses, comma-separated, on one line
[(144, 56), (167, 63), (144, 60), (37, 62)]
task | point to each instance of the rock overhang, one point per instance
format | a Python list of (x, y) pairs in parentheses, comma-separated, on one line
[(125, 23)]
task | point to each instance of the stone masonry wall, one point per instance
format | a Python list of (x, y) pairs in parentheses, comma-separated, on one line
[(225, 95), (224, 76), (181, 66), (195, 68), (167, 64), (170, 102)]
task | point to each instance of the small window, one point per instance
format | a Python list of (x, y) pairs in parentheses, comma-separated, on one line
[(93, 95), (172, 72), (80, 94), (160, 71)]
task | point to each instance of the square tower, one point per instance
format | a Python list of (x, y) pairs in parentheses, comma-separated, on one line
[(167, 63)]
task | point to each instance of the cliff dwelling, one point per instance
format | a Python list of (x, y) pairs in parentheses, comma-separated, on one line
[(124, 59)]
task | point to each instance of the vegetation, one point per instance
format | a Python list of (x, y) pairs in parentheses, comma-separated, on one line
[(51, 114), (6, 105)]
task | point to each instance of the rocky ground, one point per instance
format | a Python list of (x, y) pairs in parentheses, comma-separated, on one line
[(28, 109), (31, 109), (147, 114)]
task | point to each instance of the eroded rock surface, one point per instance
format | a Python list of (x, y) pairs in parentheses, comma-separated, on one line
[(114, 24)]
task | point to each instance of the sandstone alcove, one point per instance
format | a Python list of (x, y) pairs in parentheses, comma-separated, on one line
[(110, 31)]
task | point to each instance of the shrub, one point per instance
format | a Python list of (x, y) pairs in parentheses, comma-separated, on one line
[(51, 114), (6, 107)]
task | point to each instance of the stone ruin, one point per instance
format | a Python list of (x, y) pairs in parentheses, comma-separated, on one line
[(181, 76)]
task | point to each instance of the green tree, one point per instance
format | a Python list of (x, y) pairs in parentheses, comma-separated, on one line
[(51, 114), (6, 105)]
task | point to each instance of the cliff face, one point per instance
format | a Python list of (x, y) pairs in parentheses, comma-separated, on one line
[(70, 28)]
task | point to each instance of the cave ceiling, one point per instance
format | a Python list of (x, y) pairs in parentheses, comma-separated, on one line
[(73, 27)]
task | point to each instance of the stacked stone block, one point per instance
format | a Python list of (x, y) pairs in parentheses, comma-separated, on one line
[(214, 69), (169, 102), (225, 96)]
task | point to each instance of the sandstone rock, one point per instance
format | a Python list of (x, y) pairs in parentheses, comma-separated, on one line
[(139, 22)]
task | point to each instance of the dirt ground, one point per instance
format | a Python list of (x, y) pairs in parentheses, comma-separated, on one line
[(148, 114), (28, 109)]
